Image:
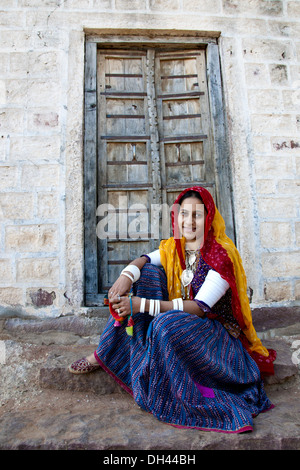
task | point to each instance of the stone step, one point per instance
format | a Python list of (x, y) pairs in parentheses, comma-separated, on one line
[(54, 374), (70, 338), (43, 406), (114, 425)]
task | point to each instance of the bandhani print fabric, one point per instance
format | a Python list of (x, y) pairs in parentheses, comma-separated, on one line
[(187, 371), (220, 253)]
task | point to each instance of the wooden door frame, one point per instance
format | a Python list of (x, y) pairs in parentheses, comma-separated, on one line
[(220, 147)]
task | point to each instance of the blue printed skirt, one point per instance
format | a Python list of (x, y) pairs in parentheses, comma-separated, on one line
[(185, 370)]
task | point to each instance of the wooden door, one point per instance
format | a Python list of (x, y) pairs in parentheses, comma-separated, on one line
[(124, 160), (151, 112), (184, 122)]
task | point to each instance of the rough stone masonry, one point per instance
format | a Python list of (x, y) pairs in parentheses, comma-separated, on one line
[(41, 138)]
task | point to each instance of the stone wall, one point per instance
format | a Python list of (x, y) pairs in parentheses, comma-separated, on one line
[(41, 131)]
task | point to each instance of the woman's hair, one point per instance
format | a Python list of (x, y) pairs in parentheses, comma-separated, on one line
[(190, 193)]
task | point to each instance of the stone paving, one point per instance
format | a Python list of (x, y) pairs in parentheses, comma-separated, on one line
[(45, 407)]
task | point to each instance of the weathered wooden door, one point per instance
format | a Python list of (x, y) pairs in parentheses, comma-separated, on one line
[(153, 122)]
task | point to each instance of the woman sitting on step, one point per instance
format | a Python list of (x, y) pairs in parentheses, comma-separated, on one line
[(186, 349)]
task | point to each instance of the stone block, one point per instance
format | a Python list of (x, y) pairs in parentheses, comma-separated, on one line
[(257, 75), (293, 9), (4, 65), (11, 121), (15, 40), (253, 7), (280, 264), (5, 271), (297, 290), (11, 296), (42, 120), (45, 270), (8, 177), (261, 145), (40, 297), (35, 64), (2, 92), (285, 145), (297, 231), (264, 100), (15, 205), (267, 167), (275, 207), (291, 99), (35, 148), (265, 186), (270, 124), (164, 5), (31, 238), (213, 6), (130, 5), (276, 234), (261, 50), (278, 291), (47, 205), (278, 74), (37, 3), (289, 186), (40, 176), (32, 92)]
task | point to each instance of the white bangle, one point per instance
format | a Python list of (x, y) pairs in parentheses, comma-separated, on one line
[(151, 307), (154, 307), (142, 306), (134, 270), (127, 275), (212, 289), (178, 304)]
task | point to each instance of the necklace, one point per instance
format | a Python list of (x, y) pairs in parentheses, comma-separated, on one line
[(187, 275)]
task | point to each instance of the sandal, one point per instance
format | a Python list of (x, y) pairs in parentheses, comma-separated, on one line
[(82, 366)]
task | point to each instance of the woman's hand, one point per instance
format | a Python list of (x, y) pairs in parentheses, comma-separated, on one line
[(122, 286), (121, 304)]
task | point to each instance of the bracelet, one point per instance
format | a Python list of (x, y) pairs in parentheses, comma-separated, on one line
[(134, 270), (127, 275), (178, 304), (154, 307), (142, 306)]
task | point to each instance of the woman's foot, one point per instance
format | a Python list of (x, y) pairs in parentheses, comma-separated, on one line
[(84, 365)]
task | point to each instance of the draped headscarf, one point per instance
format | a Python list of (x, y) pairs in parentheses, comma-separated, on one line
[(219, 252)]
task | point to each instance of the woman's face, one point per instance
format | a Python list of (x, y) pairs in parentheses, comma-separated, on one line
[(191, 221)]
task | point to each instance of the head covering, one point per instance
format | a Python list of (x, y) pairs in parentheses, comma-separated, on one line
[(219, 252)]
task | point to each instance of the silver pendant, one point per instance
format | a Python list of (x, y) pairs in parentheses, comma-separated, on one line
[(192, 259), (186, 277)]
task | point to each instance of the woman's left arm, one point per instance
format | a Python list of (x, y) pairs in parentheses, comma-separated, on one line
[(122, 305)]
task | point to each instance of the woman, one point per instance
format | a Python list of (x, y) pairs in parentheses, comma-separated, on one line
[(193, 358)]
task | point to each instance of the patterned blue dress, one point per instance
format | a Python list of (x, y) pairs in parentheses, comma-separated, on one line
[(187, 371)]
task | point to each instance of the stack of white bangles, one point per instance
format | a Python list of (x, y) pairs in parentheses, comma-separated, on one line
[(134, 270), (178, 304)]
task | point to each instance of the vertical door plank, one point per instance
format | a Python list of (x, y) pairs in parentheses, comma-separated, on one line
[(90, 169), (220, 144)]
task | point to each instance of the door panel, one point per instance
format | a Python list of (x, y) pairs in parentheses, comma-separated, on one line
[(153, 140), (125, 166)]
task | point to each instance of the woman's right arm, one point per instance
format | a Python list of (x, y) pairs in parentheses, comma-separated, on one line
[(124, 282)]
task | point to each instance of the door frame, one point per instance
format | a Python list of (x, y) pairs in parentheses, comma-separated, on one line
[(220, 145)]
